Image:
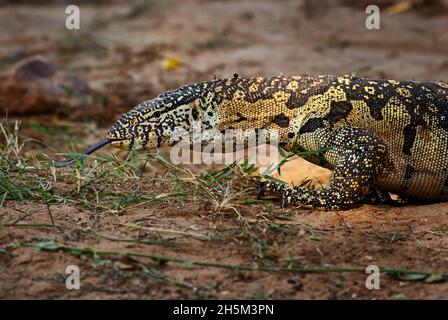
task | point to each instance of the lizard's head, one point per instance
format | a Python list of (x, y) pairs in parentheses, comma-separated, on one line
[(153, 123), (157, 122), (148, 126)]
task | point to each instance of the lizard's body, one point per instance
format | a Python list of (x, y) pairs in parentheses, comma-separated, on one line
[(376, 134)]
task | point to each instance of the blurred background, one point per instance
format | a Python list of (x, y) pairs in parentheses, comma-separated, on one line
[(129, 51), (67, 87)]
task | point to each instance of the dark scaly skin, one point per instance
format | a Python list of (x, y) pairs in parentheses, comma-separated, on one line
[(361, 158), (379, 135)]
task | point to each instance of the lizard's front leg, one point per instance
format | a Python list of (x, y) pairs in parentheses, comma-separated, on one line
[(359, 157)]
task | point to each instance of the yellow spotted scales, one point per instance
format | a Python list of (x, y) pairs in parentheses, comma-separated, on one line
[(377, 136)]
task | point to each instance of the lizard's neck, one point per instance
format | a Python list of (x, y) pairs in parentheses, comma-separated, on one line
[(258, 103)]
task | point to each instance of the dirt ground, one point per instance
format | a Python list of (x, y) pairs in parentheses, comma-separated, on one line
[(199, 247)]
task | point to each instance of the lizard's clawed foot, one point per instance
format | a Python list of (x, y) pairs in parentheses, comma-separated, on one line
[(377, 196), (276, 188), (399, 202)]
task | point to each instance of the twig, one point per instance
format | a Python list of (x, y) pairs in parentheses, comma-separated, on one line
[(401, 273), (190, 234), (49, 213), (13, 223)]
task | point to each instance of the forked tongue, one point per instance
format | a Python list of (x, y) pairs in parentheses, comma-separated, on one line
[(69, 161)]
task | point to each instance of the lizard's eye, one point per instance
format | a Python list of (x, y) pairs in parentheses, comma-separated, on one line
[(133, 122)]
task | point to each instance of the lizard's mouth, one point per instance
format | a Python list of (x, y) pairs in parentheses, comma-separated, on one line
[(121, 143)]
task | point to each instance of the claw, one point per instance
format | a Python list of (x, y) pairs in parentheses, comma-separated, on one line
[(284, 202), (400, 202)]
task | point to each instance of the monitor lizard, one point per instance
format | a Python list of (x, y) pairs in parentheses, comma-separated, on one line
[(377, 135)]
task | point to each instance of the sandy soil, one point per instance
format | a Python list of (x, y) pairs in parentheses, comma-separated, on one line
[(119, 52)]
